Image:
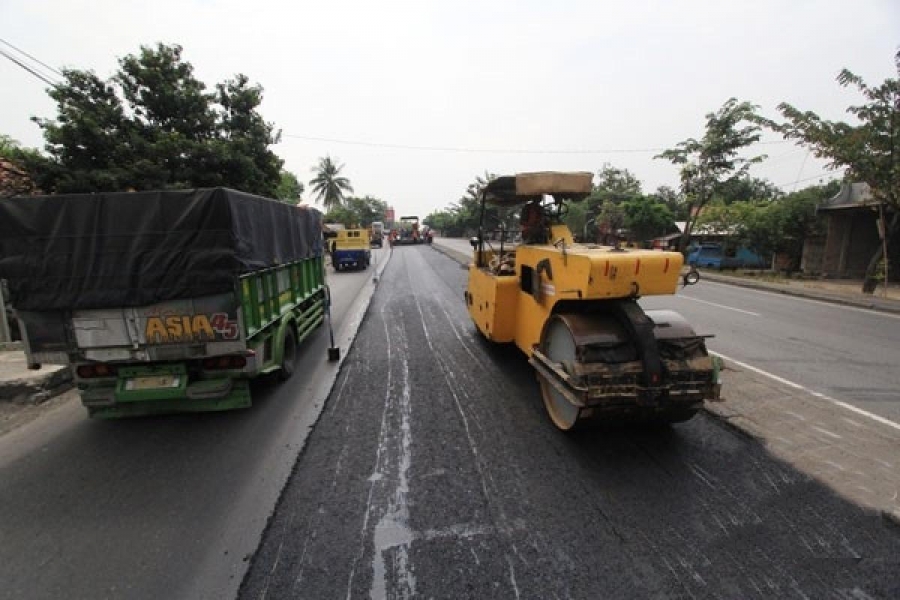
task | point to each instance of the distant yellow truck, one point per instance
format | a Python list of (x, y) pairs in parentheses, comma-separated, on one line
[(350, 249)]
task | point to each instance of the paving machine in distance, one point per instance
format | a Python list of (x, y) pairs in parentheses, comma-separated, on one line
[(408, 231), (573, 310)]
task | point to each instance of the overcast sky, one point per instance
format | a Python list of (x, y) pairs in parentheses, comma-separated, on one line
[(433, 94)]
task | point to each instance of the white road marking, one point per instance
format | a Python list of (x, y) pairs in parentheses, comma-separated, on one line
[(740, 310), (797, 386), (826, 432), (868, 311)]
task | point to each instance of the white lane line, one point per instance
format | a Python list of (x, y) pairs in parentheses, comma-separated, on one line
[(868, 311), (746, 312), (797, 386)]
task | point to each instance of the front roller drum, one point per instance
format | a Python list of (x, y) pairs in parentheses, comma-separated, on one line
[(563, 398), (589, 370)]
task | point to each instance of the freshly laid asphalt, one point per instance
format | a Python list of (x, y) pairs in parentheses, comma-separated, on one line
[(433, 472)]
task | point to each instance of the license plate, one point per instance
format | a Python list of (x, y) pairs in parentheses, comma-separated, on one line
[(152, 382)]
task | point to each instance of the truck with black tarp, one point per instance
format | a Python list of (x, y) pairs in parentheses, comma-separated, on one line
[(163, 301)]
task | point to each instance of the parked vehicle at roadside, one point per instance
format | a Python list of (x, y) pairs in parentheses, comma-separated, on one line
[(719, 256), (376, 234)]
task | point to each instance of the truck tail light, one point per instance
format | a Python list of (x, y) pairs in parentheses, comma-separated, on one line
[(93, 370), (224, 362)]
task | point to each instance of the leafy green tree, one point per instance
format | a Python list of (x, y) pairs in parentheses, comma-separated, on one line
[(673, 200), (645, 218), (747, 188), (289, 188), (714, 160), (246, 136), (358, 212), (442, 221), (794, 220), (153, 126), (91, 142), (467, 210), (616, 184), (781, 225), (869, 151), (366, 209), (342, 215), (328, 184), (603, 213), (613, 185)]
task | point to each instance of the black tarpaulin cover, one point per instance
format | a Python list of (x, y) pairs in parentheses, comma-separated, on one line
[(137, 248)]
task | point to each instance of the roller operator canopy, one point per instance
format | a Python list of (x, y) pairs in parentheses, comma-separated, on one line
[(510, 190)]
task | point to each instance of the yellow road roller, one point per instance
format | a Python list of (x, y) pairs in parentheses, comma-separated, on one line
[(572, 308)]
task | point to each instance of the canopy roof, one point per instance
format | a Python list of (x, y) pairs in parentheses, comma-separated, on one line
[(517, 189)]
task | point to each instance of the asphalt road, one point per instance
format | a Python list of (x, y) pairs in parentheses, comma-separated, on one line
[(846, 353), (167, 507), (434, 473)]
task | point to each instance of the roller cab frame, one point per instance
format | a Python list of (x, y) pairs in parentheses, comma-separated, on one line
[(572, 309)]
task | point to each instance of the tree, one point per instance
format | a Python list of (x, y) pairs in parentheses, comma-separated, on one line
[(747, 188), (713, 161), (467, 210), (673, 200), (247, 137), (602, 208), (152, 125), (358, 212), (769, 226), (342, 215), (289, 188), (645, 218), (442, 221), (367, 209), (328, 184), (868, 151), (14, 177)]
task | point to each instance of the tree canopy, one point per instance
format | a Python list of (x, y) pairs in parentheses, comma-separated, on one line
[(358, 212), (462, 217), (289, 188), (329, 185), (153, 125), (869, 150), (714, 160)]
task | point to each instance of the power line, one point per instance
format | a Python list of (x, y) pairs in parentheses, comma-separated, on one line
[(799, 181), (37, 60), (27, 68), (481, 150)]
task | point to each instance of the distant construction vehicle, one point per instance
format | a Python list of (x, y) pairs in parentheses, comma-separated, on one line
[(408, 232)]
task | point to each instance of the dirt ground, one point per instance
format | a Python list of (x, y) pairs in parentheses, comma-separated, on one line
[(14, 414)]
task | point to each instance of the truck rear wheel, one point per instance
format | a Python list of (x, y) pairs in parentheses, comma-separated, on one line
[(288, 355)]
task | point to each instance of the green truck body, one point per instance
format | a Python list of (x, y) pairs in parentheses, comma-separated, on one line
[(237, 307)]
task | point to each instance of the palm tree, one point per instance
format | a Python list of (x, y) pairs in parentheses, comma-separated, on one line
[(328, 185)]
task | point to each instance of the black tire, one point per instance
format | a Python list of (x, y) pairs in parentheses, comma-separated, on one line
[(288, 355)]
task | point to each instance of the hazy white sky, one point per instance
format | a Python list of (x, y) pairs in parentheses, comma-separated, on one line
[(433, 94)]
